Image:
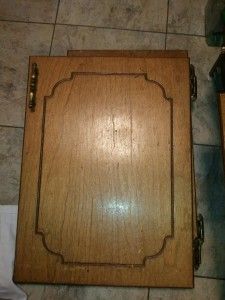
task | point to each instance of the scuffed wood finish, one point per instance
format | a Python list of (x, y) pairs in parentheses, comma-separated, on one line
[(148, 54), (222, 122), (106, 169), (78, 207)]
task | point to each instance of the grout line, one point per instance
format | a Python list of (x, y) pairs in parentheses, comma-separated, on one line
[(112, 28), (81, 25), (10, 126), (148, 297), (207, 145), (27, 22), (209, 277), (102, 27), (53, 33), (166, 42), (50, 49), (130, 29), (186, 34), (57, 11), (167, 17)]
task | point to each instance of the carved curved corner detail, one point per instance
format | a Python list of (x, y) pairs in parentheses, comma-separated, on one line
[(164, 94), (44, 236), (45, 244), (136, 75), (64, 261), (58, 83)]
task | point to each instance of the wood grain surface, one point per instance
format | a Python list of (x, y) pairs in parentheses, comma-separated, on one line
[(106, 169), (106, 174), (148, 54)]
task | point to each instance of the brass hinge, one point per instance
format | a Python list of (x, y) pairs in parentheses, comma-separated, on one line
[(33, 86), (193, 83), (198, 241)]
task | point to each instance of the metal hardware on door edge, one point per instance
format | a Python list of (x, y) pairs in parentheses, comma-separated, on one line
[(33, 86), (198, 241), (193, 83)]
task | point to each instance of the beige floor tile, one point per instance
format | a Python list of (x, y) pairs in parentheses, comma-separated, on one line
[(210, 190), (204, 109), (28, 10), (187, 16), (76, 37), (143, 15), (205, 289), (44, 292), (18, 42), (10, 160)]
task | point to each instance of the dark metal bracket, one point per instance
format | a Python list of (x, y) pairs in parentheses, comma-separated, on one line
[(193, 83), (198, 242), (33, 86), (217, 73)]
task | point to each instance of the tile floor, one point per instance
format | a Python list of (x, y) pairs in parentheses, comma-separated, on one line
[(38, 27)]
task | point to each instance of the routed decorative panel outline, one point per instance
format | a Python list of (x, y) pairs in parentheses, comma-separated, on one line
[(43, 234)]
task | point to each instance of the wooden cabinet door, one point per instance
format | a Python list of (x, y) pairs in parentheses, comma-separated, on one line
[(106, 187)]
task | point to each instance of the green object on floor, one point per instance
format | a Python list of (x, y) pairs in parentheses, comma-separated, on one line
[(215, 23)]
